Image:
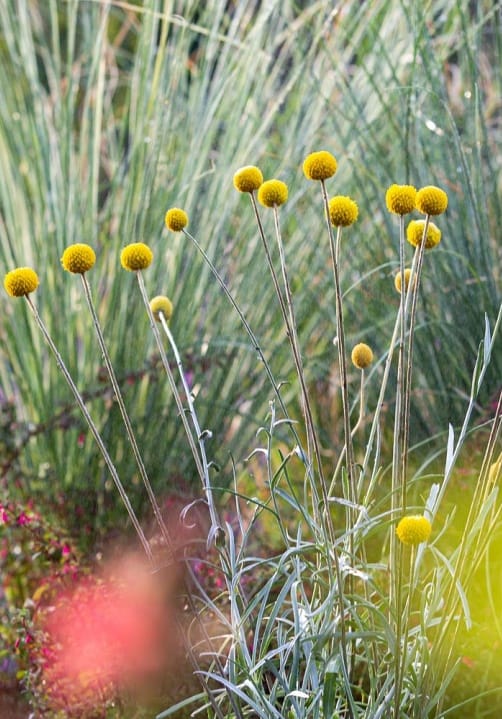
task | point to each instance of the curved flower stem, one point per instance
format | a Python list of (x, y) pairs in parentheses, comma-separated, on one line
[(93, 428), (201, 435), (247, 327), (123, 412), (217, 533)]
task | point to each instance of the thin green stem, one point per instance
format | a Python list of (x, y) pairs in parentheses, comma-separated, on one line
[(124, 413), (93, 428), (342, 362), (217, 532), (201, 435), (413, 291), (397, 445), (247, 327)]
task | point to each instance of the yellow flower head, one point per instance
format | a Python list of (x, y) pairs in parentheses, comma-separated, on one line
[(400, 199), (343, 211), (248, 178), (407, 275), (78, 258), (362, 356), (176, 219), (161, 304), (414, 529), (431, 200), (20, 282), (415, 230), (319, 165), (136, 256), (273, 193)]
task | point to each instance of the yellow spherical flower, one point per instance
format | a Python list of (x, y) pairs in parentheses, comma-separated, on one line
[(78, 258), (398, 279), (272, 193), (20, 282), (362, 356), (161, 304), (248, 178), (415, 231), (343, 211), (431, 200), (319, 165), (136, 256), (414, 529), (176, 219), (400, 199)]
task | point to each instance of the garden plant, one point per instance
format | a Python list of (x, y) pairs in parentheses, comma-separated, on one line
[(251, 362)]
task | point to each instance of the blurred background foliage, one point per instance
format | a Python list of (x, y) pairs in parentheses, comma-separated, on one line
[(114, 111)]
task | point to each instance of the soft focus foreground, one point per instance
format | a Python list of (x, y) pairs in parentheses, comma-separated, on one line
[(309, 459)]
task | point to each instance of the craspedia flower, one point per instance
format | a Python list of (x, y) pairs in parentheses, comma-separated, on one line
[(136, 256), (362, 356), (248, 178), (20, 282), (398, 280), (343, 211), (319, 165), (414, 530), (431, 200), (176, 219), (161, 304), (400, 199), (415, 230), (272, 193), (78, 258)]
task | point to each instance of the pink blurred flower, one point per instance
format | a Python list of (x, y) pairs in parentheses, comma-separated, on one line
[(111, 632)]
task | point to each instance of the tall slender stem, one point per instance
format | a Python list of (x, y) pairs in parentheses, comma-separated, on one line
[(123, 412), (342, 362), (93, 428), (397, 445), (201, 436), (217, 533)]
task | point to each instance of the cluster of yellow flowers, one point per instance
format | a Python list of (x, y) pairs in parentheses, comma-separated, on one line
[(343, 211)]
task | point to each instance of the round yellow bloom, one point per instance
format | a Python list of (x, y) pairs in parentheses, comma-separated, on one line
[(136, 256), (78, 258), (431, 200), (272, 193), (400, 199), (343, 211), (176, 219), (415, 230), (362, 356), (407, 275), (414, 529), (20, 282), (161, 304), (319, 165), (248, 178)]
